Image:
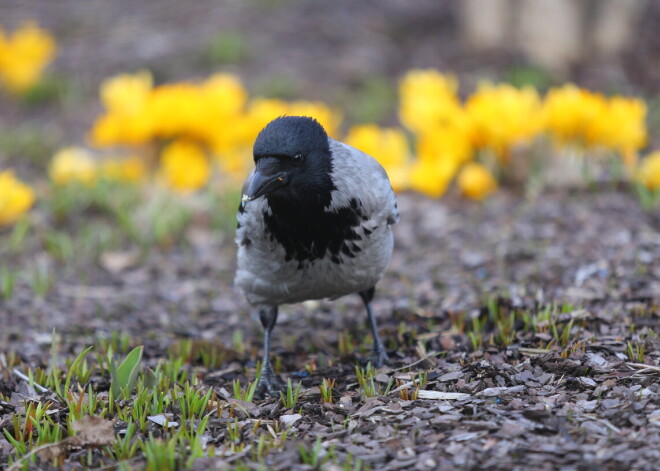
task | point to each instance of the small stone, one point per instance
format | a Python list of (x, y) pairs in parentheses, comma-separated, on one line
[(290, 419)]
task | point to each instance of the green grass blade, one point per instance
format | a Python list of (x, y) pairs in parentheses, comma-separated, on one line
[(124, 376)]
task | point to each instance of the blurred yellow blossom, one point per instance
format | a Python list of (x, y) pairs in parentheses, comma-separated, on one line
[(127, 94), (184, 166), (475, 181), (137, 112), (177, 109), (115, 129), (387, 145), (649, 171), (578, 116), (621, 126), (15, 197), (445, 143), (225, 100), (130, 169), (432, 177), (128, 118), (439, 155), (569, 113), (73, 164), (225, 94), (503, 116), (428, 99), (23, 56)]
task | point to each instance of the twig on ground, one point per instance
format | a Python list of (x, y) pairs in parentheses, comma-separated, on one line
[(24, 377), (644, 367)]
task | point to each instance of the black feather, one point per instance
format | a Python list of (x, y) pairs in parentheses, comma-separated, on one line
[(309, 232)]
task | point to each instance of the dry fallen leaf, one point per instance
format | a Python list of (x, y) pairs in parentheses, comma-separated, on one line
[(49, 452), (92, 431)]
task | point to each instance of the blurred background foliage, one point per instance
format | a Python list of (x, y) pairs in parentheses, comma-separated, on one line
[(470, 95)]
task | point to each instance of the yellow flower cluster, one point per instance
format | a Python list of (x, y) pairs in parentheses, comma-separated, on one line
[(193, 126), (137, 112), (75, 164), (213, 117), (502, 117), (579, 117), (498, 118), (440, 153), (431, 109), (23, 56), (429, 99), (15, 198)]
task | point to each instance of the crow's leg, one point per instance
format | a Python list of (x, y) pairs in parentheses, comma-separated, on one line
[(269, 382), (378, 355)]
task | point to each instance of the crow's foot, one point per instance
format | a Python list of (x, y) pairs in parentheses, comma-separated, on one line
[(270, 384)]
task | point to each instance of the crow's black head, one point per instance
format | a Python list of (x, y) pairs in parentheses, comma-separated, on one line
[(293, 162), (288, 135)]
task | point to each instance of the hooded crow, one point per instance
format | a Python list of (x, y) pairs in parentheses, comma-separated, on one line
[(314, 222)]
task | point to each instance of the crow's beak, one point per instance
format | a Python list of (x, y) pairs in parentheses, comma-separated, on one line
[(267, 177)]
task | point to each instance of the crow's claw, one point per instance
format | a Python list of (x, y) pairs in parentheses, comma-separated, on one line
[(270, 384)]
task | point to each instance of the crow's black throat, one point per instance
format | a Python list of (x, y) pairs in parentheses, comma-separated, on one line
[(308, 231)]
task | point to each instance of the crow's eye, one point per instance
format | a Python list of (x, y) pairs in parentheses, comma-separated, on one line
[(297, 159)]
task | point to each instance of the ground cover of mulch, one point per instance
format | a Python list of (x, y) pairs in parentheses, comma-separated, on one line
[(535, 320), (539, 317)]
